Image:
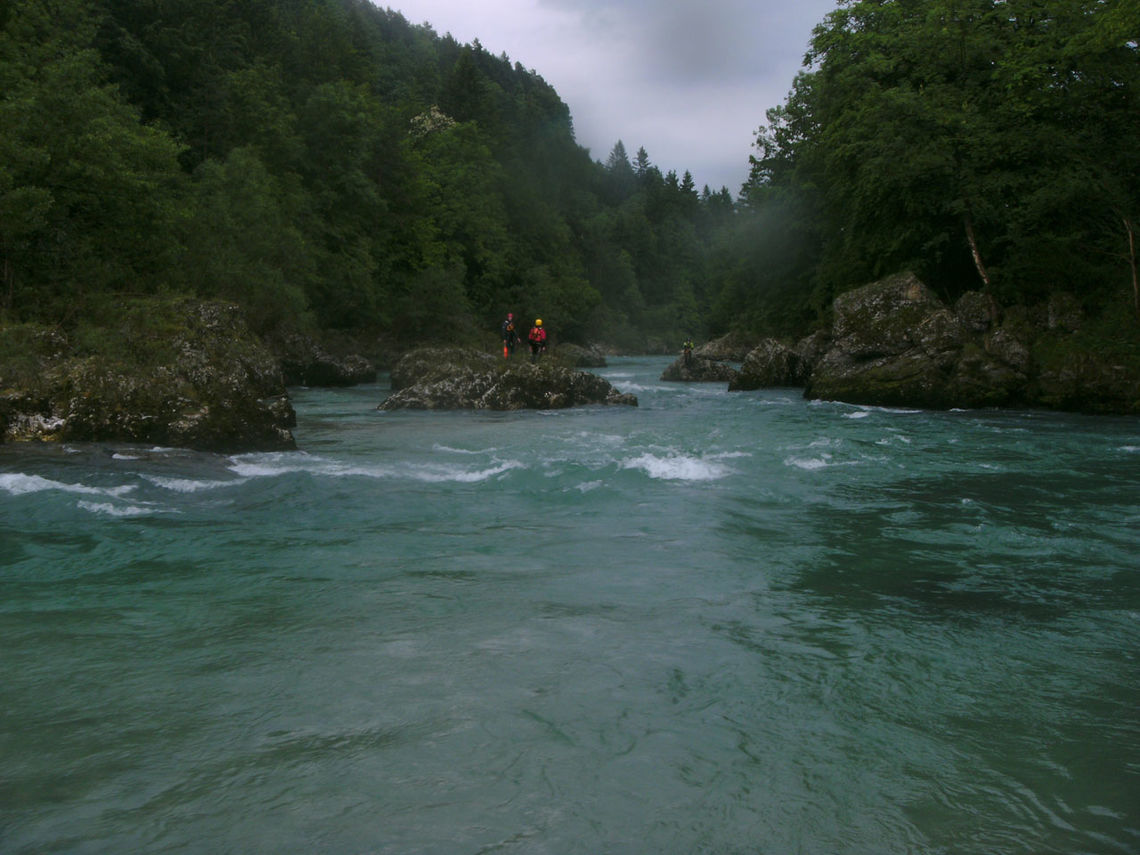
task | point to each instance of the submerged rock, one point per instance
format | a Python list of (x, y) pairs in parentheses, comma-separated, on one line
[(453, 378), (191, 376)]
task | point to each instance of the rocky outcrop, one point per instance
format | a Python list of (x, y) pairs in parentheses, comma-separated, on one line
[(576, 356), (894, 343), (733, 347), (453, 378), (698, 370), (770, 363), (435, 364), (304, 362), (203, 381)]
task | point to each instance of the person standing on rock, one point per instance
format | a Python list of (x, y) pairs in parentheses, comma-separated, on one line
[(537, 340), (510, 336), (687, 351)]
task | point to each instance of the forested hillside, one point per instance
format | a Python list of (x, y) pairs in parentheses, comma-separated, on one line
[(984, 144), (330, 166), (325, 164)]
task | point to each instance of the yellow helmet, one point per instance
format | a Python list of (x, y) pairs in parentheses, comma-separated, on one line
[(538, 322)]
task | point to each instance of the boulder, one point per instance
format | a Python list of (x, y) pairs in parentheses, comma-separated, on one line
[(304, 362), (698, 370), (431, 364), (976, 311), (811, 349), (1064, 313), (883, 319), (733, 347), (576, 356), (1085, 382), (771, 363), (202, 381), (894, 343), (453, 378)]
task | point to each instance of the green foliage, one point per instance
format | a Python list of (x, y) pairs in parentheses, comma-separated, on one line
[(242, 242), (982, 144), (323, 162), (88, 194)]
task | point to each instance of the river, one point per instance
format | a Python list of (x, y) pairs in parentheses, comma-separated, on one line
[(718, 622)]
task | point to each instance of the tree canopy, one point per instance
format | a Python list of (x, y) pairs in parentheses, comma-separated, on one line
[(324, 163), (985, 144), (327, 164)]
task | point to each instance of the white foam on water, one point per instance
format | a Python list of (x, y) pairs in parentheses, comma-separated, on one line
[(272, 467), (110, 510), (824, 442), (677, 467), (868, 408), (439, 474), (18, 484), (639, 387), (858, 414), (447, 449), (188, 485), (1131, 449), (811, 464), (588, 486), (891, 440), (729, 455)]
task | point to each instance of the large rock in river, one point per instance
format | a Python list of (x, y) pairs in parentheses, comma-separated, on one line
[(894, 343), (770, 363), (576, 356), (306, 362), (183, 373), (698, 370), (733, 347), (454, 378)]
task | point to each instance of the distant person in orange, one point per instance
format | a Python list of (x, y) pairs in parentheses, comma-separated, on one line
[(510, 336), (537, 339)]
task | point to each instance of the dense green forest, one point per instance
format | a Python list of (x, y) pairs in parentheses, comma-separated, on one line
[(330, 166), (983, 144)]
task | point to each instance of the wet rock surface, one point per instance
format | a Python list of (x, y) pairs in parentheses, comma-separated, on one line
[(208, 384), (455, 378)]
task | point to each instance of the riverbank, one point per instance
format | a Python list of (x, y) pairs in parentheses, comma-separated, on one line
[(190, 373)]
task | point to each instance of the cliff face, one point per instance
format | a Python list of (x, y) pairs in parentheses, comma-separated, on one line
[(196, 379)]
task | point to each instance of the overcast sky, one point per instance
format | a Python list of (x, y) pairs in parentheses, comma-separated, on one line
[(690, 80)]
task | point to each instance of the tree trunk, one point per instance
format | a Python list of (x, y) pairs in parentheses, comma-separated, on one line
[(969, 223), (1130, 228), (8, 278)]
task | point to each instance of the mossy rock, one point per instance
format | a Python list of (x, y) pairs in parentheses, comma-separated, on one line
[(455, 378), (195, 378)]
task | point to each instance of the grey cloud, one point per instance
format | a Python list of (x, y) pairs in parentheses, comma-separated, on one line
[(691, 43)]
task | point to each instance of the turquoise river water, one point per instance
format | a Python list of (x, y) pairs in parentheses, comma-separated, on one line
[(719, 622)]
